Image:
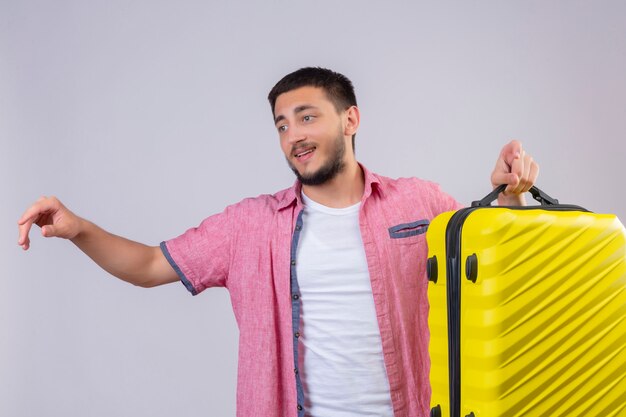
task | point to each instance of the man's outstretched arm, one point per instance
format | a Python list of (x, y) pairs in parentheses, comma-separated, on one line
[(134, 262)]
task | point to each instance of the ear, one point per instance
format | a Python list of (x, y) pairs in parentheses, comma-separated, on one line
[(352, 120)]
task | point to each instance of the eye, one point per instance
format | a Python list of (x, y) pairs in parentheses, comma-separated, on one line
[(308, 118), (282, 128)]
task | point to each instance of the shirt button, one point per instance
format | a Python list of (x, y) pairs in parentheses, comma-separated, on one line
[(295, 296), (295, 371), (299, 407), (293, 262), (297, 334), (298, 227)]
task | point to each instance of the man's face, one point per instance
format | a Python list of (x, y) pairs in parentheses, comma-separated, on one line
[(311, 134)]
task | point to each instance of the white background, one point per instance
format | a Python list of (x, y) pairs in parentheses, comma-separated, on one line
[(147, 116)]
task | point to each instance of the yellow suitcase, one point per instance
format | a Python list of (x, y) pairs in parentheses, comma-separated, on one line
[(527, 311)]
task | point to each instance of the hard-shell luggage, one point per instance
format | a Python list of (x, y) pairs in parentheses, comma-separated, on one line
[(527, 311)]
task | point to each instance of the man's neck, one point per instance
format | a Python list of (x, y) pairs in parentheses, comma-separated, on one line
[(345, 190)]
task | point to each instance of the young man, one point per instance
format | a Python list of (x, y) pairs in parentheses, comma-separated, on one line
[(327, 278)]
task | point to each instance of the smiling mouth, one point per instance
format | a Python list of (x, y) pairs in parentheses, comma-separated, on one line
[(304, 152)]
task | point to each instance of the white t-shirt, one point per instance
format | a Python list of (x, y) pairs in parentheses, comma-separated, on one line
[(340, 350)]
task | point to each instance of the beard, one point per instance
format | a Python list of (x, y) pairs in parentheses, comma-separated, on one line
[(329, 170)]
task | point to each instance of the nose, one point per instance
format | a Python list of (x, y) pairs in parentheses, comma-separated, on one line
[(295, 135)]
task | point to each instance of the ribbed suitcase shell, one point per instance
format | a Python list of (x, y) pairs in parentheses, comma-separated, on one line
[(543, 328)]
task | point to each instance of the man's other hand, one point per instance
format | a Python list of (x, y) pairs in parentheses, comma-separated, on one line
[(518, 170), (52, 216)]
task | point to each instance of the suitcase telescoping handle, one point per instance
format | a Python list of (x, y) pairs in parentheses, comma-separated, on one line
[(543, 198)]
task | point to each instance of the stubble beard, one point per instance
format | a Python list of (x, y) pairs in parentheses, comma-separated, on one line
[(329, 170)]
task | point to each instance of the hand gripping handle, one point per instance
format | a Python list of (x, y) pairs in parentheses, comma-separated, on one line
[(543, 198)]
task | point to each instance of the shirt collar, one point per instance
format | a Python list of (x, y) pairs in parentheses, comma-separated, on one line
[(292, 195)]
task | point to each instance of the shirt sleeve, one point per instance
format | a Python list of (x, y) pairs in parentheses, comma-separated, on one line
[(201, 255), (447, 202), (440, 201)]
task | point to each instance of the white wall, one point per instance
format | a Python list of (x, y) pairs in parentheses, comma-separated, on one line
[(146, 117)]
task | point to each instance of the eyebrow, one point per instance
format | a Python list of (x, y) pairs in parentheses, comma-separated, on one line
[(297, 110)]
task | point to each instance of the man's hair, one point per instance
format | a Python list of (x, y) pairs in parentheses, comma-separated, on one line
[(338, 87)]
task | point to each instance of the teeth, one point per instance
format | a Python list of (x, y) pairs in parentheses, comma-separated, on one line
[(298, 155)]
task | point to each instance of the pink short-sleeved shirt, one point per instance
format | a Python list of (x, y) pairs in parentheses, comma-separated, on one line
[(250, 249)]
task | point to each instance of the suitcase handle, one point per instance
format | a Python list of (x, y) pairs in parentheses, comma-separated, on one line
[(543, 198)]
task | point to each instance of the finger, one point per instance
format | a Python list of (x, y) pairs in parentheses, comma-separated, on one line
[(502, 173), (517, 169), (523, 184), (526, 183), (498, 178), (28, 216), (533, 173), (511, 152), (506, 170), (41, 206), (49, 231), (23, 240), (32, 215)]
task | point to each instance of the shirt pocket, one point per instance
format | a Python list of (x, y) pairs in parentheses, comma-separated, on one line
[(407, 233), (408, 252)]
